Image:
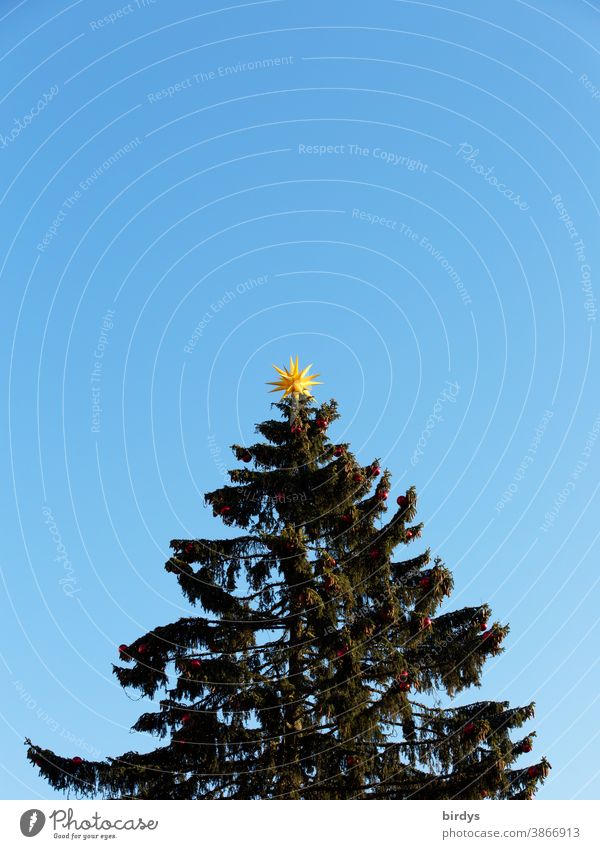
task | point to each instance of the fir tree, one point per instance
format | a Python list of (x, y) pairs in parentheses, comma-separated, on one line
[(317, 667)]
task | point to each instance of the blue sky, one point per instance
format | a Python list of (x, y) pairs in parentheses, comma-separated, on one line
[(404, 194)]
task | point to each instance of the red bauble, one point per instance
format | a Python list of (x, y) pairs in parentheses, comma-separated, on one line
[(374, 553), (403, 676), (469, 728), (487, 634), (426, 622), (532, 772), (322, 423), (185, 718), (346, 518), (341, 652), (526, 746), (142, 648), (351, 761), (189, 548), (401, 501), (296, 427), (357, 477), (196, 663), (77, 760), (375, 471), (224, 510), (339, 450), (408, 534), (123, 648), (382, 494), (425, 583), (483, 626), (404, 686), (246, 457)]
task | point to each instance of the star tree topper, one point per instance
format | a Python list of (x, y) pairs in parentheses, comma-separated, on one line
[(294, 382)]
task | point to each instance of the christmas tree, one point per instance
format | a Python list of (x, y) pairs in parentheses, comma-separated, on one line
[(317, 669)]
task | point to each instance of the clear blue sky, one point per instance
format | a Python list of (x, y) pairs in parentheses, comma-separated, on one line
[(404, 194)]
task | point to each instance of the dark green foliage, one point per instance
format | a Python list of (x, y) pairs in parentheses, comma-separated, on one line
[(316, 669)]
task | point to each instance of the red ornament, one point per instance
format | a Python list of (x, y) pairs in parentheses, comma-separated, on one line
[(296, 427), (346, 518), (532, 772), (469, 728), (426, 622), (401, 501), (246, 457), (425, 583), (487, 634), (123, 648), (185, 718), (375, 471), (526, 746), (77, 760), (341, 652), (404, 686), (196, 663), (403, 676), (483, 626), (189, 548), (408, 534), (224, 510), (375, 552), (142, 648), (351, 761), (322, 423), (382, 494), (357, 477), (339, 450)]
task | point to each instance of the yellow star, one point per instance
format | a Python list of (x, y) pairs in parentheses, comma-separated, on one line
[(293, 381)]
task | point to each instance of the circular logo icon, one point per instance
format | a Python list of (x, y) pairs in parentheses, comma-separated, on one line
[(32, 822)]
